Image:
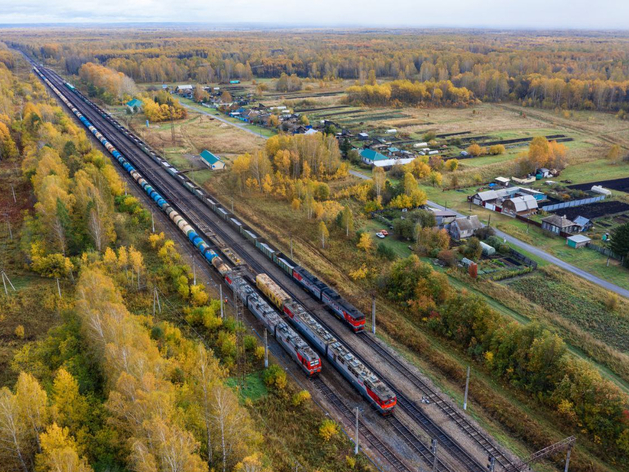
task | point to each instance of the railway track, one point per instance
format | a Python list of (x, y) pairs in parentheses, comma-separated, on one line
[(197, 211), (462, 422), (371, 438)]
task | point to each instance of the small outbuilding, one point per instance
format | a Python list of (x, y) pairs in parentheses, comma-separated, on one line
[(487, 249), (212, 161), (134, 105), (583, 223), (577, 241), (603, 191), (504, 181)]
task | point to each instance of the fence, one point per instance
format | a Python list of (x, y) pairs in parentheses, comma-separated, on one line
[(573, 203), (605, 251)]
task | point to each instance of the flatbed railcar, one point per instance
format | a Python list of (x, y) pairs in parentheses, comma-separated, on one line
[(340, 307), (292, 342), (363, 379)]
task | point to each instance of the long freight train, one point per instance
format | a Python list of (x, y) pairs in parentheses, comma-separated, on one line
[(296, 347), (340, 307), (372, 388)]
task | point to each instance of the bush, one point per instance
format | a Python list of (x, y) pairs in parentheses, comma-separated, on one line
[(484, 233), (328, 430), (472, 249), (385, 251), (301, 397), (275, 377), (19, 331), (448, 257), (250, 343), (259, 353)]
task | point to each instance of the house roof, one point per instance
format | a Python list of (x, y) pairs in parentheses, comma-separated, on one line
[(523, 203), (209, 157), (559, 221), (487, 195), (581, 221), (470, 223), (184, 87), (579, 238), (134, 103), (372, 155)]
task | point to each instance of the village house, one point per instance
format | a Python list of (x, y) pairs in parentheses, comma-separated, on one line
[(212, 161), (558, 224), (464, 227), (443, 217), (184, 89), (523, 206), (374, 158)]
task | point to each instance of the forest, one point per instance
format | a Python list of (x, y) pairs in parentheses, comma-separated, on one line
[(565, 70)]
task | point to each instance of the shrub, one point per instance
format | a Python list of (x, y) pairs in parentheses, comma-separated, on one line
[(259, 353), (448, 257), (301, 397), (611, 301), (250, 343), (328, 430), (275, 377), (19, 331)]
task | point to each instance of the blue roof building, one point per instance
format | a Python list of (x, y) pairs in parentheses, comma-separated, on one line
[(134, 105), (212, 161)]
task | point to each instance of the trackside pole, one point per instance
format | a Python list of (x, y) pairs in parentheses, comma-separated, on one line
[(373, 315), (266, 350), (467, 388), (220, 290), (356, 437), (434, 453)]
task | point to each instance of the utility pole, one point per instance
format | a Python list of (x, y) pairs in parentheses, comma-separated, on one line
[(220, 291), (5, 279), (156, 301), (13, 191), (568, 459), (356, 437), (373, 314), (266, 350), (467, 388), (194, 271), (433, 449), (152, 221), (58, 287)]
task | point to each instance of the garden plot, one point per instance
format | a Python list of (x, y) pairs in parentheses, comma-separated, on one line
[(621, 185), (595, 210)]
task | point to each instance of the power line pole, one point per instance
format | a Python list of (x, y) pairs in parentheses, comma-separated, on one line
[(13, 191), (266, 350), (220, 291), (373, 314), (153, 221), (194, 271), (467, 388), (58, 287), (5, 279), (434, 453), (356, 437)]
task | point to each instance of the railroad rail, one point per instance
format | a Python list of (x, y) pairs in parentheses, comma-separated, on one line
[(138, 153), (461, 421), (371, 438)]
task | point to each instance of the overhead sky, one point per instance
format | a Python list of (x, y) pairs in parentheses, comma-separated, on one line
[(530, 14)]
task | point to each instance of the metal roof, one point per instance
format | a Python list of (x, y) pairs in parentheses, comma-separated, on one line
[(209, 157)]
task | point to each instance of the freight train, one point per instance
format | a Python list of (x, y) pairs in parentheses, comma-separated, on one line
[(341, 308), (370, 386), (296, 347), (365, 381)]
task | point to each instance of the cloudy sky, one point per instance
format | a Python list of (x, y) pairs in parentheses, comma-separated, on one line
[(537, 14)]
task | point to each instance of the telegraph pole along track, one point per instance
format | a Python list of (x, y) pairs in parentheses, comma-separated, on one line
[(464, 447)]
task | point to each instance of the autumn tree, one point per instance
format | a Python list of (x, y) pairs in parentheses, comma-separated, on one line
[(365, 243), (324, 234)]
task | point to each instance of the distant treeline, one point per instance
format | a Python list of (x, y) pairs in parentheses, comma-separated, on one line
[(564, 70)]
